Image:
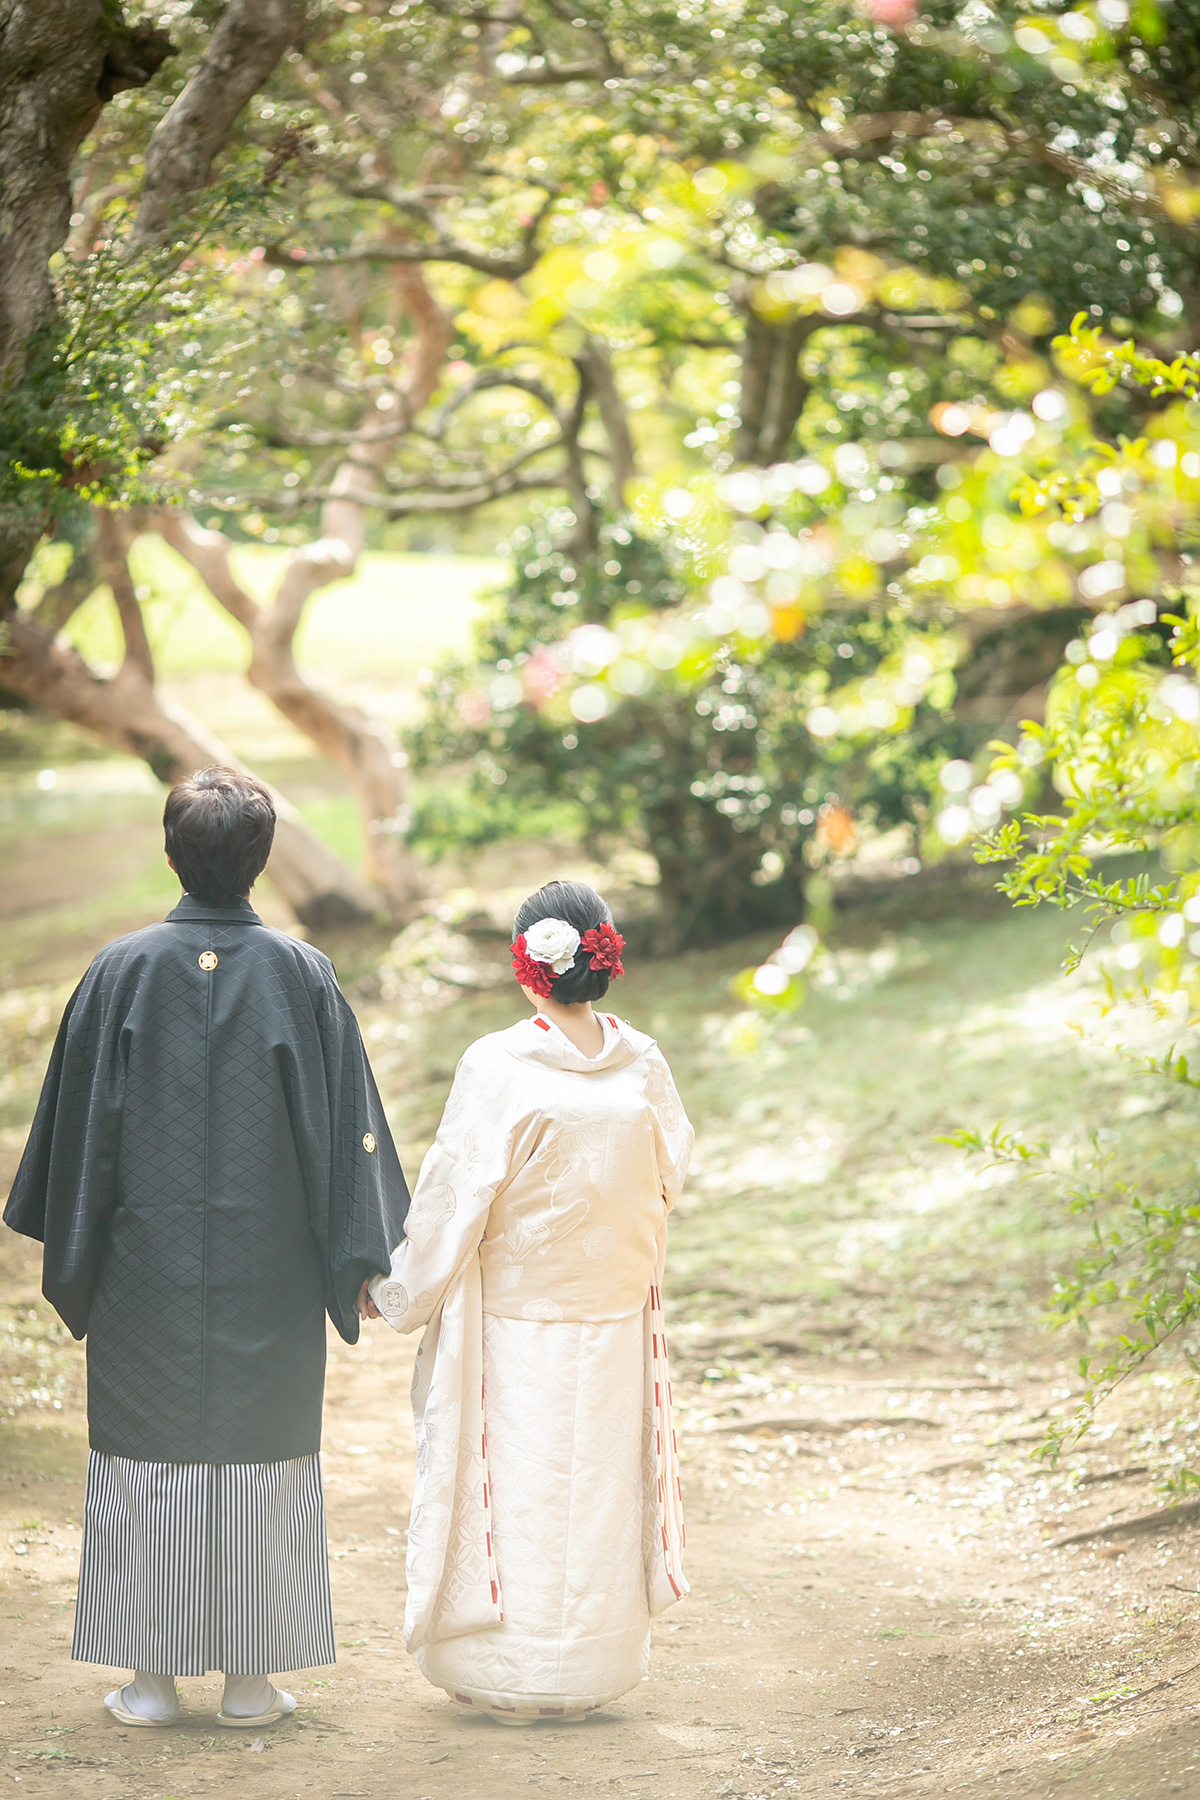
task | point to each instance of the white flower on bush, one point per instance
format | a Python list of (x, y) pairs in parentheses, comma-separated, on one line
[(552, 941)]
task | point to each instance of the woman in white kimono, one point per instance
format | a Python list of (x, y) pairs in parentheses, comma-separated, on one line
[(547, 1525)]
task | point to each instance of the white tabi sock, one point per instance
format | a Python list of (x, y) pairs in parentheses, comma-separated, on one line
[(246, 1696), (151, 1696)]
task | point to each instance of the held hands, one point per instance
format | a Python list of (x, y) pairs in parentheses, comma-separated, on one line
[(367, 1308)]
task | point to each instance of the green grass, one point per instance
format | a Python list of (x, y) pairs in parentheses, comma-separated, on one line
[(398, 614), (338, 822), (822, 1215)]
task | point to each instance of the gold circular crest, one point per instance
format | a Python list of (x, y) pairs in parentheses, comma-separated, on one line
[(368, 1141), (207, 960)]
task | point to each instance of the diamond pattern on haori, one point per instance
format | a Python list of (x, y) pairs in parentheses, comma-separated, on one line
[(197, 1171)]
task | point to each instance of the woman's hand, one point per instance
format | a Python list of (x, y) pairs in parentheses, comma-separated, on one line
[(367, 1308)]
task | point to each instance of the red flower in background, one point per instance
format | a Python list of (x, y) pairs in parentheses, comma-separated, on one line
[(542, 676), (891, 12), (531, 974), (604, 946)]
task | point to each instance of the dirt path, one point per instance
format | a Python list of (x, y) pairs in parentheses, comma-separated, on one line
[(873, 1610)]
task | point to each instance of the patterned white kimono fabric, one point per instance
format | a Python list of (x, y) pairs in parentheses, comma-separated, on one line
[(547, 1522)]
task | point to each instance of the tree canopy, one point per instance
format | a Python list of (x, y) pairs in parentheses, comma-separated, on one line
[(736, 322)]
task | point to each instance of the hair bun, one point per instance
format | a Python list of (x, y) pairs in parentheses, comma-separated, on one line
[(565, 945)]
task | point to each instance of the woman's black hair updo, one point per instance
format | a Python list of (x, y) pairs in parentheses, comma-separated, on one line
[(582, 907)]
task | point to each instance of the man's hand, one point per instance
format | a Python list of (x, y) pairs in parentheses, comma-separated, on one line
[(367, 1308)]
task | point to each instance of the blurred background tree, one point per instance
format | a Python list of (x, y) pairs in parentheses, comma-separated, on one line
[(741, 286)]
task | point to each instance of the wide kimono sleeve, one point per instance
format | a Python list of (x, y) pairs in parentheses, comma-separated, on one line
[(362, 1199), (482, 1141), (66, 1184), (673, 1133)]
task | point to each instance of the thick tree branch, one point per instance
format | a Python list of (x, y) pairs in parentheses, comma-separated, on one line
[(442, 248), (248, 41), (276, 437), (548, 74), (904, 127), (114, 538), (582, 540), (58, 66), (208, 553), (127, 712), (485, 381), (485, 262), (62, 602), (773, 389), (408, 506), (541, 70), (363, 746)]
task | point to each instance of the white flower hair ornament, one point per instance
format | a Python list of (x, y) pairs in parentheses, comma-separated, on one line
[(548, 949), (552, 941)]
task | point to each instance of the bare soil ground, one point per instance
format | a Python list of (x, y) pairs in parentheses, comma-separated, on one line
[(877, 1607), (874, 1610)]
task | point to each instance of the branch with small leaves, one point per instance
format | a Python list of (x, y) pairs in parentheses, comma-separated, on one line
[(443, 247), (1140, 1259)]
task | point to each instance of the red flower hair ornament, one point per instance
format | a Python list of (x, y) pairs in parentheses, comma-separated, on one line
[(537, 976), (549, 947), (604, 945)]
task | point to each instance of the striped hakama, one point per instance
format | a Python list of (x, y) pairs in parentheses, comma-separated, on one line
[(188, 1567)]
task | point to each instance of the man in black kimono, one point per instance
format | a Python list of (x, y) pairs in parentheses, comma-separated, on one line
[(210, 1171)]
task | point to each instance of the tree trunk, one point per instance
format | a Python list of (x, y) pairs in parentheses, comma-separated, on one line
[(58, 66), (363, 747), (613, 417), (705, 893), (582, 541), (773, 389), (126, 711)]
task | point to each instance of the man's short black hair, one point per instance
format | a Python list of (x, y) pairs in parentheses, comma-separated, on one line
[(218, 826)]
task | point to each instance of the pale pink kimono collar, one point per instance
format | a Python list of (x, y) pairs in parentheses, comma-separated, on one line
[(539, 1041)]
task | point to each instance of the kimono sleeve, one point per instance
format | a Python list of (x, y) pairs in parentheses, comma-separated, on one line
[(479, 1146), (66, 1184), (364, 1209), (673, 1133)]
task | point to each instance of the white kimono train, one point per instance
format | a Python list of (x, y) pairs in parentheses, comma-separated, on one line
[(547, 1523)]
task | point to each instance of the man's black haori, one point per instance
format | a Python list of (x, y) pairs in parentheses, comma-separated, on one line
[(210, 1169)]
